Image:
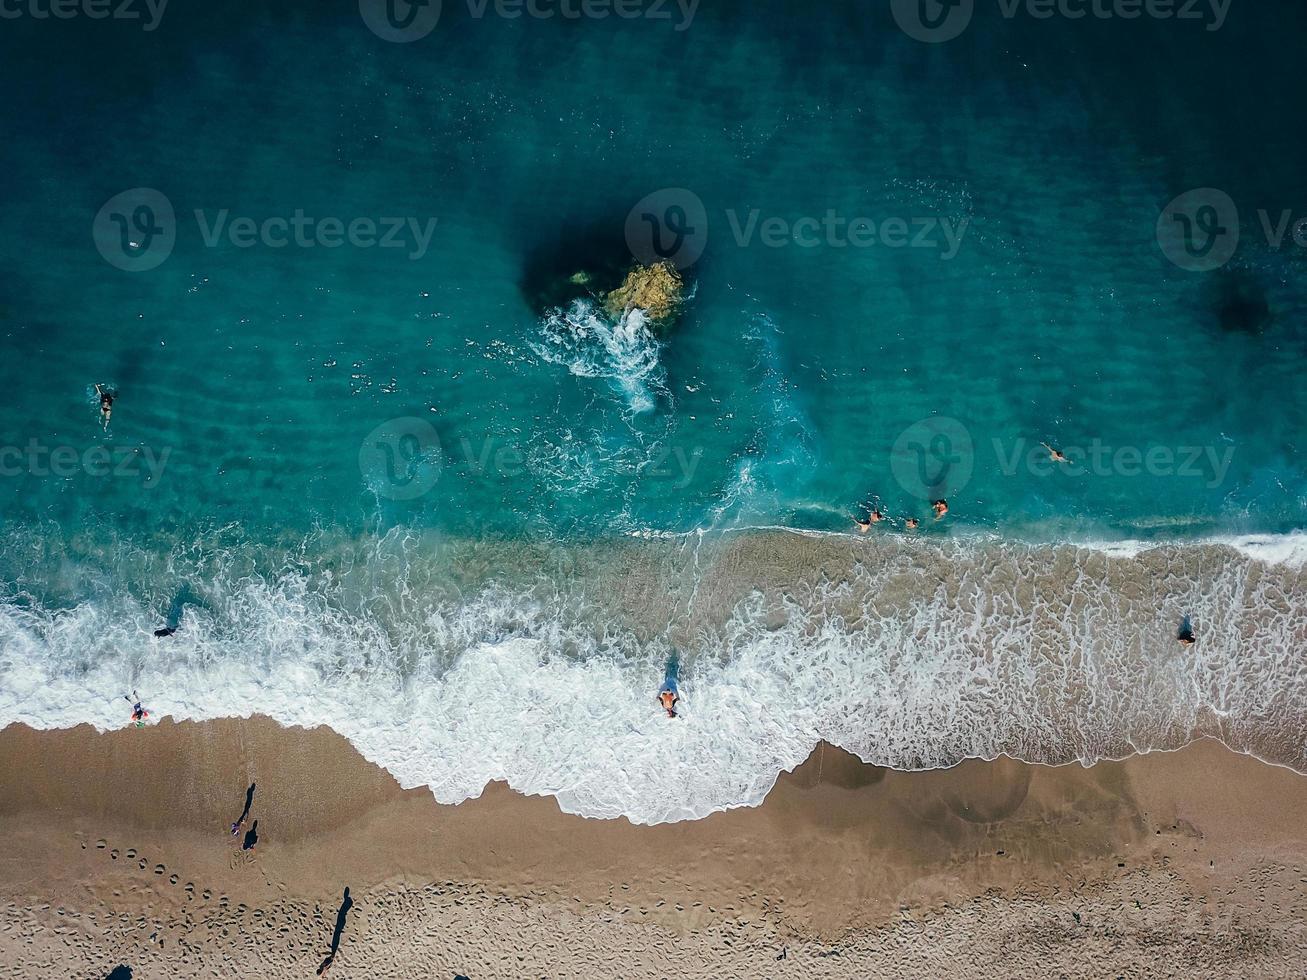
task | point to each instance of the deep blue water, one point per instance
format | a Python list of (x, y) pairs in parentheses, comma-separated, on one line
[(779, 396)]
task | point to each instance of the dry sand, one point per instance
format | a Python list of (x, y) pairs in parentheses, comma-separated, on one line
[(115, 853)]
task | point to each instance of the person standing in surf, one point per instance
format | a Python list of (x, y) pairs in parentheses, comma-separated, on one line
[(668, 695)]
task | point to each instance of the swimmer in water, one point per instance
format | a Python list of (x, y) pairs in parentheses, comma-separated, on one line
[(911, 523), (106, 404), (874, 516), (940, 507), (1056, 455)]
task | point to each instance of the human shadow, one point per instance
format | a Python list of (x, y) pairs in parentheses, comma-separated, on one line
[(240, 821), (121, 972), (341, 916), (183, 597)]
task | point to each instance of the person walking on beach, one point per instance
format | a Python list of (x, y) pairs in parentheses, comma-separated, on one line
[(139, 714), (240, 821), (106, 403), (341, 916)]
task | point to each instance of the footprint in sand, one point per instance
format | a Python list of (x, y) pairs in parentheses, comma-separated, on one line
[(102, 843), (159, 869), (114, 854), (140, 864), (206, 894), (172, 879), (131, 853)]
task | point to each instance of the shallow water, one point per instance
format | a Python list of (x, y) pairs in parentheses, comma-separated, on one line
[(289, 417)]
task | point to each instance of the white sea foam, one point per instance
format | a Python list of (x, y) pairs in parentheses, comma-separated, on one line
[(1273, 549), (915, 657), (624, 352)]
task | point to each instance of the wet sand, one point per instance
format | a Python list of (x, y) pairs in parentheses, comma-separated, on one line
[(116, 852)]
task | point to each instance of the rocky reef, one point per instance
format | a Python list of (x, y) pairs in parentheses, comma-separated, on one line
[(656, 289), (598, 267)]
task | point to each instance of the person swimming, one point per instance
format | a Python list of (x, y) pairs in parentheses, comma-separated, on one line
[(911, 523), (1056, 455), (106, 404), (874, 516), (940, 507)]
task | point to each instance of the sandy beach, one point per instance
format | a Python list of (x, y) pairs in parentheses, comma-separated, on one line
[(117, 856)]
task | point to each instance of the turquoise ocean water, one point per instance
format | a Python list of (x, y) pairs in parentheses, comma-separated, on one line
[(381, 488)]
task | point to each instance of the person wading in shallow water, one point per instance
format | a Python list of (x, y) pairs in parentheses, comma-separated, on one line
[(668, 699), (139, 714)]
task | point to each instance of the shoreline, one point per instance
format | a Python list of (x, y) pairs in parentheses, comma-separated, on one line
[(851, 869), (540, 664)]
